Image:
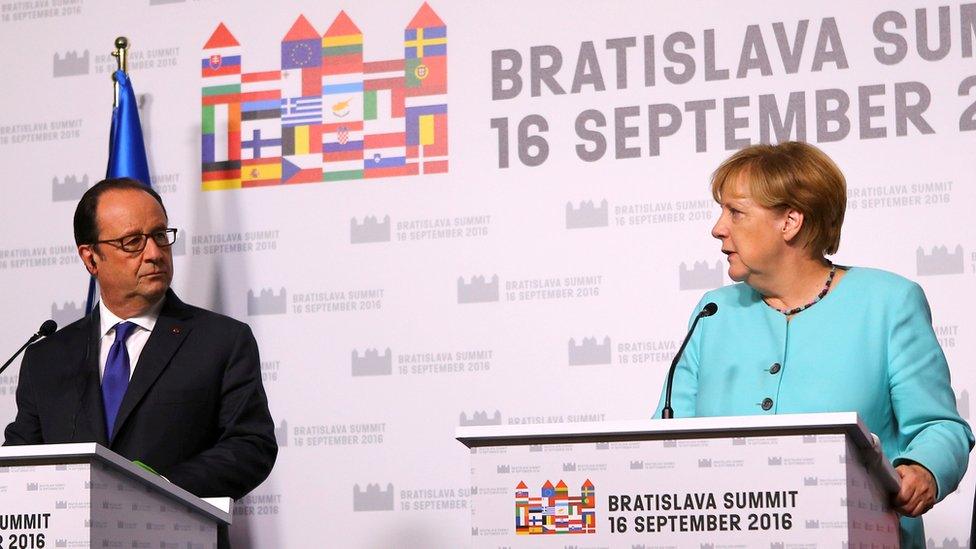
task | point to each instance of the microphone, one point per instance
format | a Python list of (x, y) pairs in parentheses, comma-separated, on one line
[(707, 310), (47, 328)]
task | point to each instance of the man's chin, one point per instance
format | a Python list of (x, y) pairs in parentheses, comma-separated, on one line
[(154, 287)]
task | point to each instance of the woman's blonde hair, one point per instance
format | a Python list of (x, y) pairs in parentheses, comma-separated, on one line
[(792, 175)]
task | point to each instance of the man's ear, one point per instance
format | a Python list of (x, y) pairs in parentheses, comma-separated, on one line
[(792, 223), (88, 258)]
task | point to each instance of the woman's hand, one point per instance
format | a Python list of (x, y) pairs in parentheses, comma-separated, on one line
[(918, 490)]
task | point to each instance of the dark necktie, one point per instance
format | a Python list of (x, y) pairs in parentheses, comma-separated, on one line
[(115, 379)]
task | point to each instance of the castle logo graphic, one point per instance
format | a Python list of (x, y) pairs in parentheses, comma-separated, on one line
[(587, 215), (555, 511), (481, 418), (700, 277), (589, 352), (69, 189), (962, 404), (372, 363), (267, 302), (71, 64), (325, 114), (67, 313), (179, 247), (373, 498), (940, 262), (370, 230), (479, 290), (281, 434)]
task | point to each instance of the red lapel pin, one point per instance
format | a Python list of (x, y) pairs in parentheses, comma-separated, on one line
[(177, 330)]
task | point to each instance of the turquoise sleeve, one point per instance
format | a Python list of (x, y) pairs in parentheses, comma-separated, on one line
[(929, 426)]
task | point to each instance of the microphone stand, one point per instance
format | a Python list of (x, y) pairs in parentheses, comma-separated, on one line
[(708, 310)]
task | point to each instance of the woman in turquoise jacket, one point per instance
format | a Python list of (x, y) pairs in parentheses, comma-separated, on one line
[(798, 334)]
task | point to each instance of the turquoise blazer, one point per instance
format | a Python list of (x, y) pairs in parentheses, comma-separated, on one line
[(867, 346)]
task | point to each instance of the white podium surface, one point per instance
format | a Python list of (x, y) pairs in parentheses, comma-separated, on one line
[(84, 495), (803, 481)]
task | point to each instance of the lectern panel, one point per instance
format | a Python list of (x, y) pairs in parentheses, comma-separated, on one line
[(51, 506), (91, 505), (800, 491)]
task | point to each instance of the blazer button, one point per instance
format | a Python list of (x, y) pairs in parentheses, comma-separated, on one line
[(774, 369), (767, 403)]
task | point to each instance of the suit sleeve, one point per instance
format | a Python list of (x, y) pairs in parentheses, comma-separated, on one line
[(929, 426), (684, 392), (245, 450), (26, 426)]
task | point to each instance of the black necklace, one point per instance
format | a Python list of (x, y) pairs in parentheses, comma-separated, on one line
[(823, 292)]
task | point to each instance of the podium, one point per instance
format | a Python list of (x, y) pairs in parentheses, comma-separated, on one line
[(85, 495), (777, 481)]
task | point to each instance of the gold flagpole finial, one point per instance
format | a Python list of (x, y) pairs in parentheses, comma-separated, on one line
[(121, 57), (120, 53)]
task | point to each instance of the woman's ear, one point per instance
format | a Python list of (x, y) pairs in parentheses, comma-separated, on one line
[(792, 223)]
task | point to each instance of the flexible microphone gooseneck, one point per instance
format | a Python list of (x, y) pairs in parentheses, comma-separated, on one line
[(707, 310), (46, 329)]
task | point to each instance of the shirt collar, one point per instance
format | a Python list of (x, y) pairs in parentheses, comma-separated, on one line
[(146, 321)]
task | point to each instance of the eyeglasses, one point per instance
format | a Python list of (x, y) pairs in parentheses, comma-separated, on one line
[(163, 238)]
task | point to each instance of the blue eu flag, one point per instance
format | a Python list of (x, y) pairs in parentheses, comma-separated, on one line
[(126, 150)]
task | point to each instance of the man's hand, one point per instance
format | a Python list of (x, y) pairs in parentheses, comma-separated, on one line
[(918, 490)]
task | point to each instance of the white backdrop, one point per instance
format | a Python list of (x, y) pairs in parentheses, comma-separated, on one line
[(382, 345)]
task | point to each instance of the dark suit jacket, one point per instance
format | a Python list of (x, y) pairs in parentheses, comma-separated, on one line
[(195, 409)]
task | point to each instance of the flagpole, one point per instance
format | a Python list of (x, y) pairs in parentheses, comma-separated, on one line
[(122, 59), (121, 55)]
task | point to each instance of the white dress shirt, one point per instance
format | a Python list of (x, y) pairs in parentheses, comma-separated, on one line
[(136, 340)]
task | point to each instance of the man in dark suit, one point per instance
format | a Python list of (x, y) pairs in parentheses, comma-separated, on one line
[(154, 379)]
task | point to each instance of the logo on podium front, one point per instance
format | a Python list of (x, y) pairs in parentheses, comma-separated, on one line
[(554, 511)]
